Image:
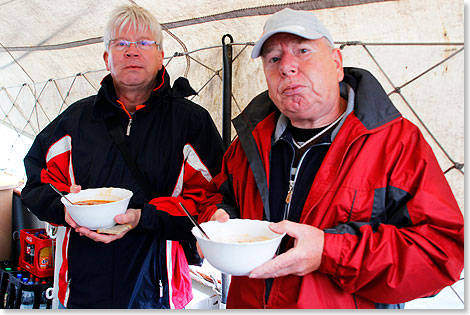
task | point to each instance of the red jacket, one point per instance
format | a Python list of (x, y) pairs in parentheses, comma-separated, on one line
[(393, 229)]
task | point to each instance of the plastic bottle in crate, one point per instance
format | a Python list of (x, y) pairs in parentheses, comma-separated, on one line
[(32, 254), (43, 302), (27, 299), (27, 256), (5, 295), (45, 257)]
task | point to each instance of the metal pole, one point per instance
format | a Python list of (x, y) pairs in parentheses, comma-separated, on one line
[(226, 130), (227, 90), (224, 292)]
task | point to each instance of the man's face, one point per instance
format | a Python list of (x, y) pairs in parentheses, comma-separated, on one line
[(133, 67), (302, 77)]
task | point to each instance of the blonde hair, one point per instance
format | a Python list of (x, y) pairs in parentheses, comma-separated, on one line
[(138, 18)]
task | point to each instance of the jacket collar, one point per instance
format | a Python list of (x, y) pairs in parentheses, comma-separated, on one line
[(372, 106), (366, 98), (346, 92), (106, 101)]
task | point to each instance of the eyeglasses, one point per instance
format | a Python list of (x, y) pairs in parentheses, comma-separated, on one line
[(123, 44)]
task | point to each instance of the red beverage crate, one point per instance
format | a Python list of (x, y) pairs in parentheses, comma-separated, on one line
[(30, 262)]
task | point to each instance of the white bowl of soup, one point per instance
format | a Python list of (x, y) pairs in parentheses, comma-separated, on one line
[(95, 208), (238, 246)]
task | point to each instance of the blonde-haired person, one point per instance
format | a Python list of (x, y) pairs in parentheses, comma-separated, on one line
[(140, 19), (176, 149)]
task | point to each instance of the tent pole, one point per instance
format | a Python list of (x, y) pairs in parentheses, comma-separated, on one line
[(227, 91), (226, 129)]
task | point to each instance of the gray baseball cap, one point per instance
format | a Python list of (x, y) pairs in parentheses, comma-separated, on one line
[(301, 23)]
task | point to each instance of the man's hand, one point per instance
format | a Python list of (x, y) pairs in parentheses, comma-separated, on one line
[(219, 215), (303, 258), (131, 217), (73, 189)]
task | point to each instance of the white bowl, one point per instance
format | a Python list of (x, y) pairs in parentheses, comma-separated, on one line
[(99, 216), (238, 246)]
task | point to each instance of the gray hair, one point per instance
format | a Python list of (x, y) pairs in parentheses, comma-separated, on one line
[(138, 18), (328, 44)]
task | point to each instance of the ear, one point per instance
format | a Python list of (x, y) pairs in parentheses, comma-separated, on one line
[(105, 57), (338, 60), (161, 59)]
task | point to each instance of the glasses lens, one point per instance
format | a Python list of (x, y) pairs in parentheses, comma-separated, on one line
[(145, 43), (121, 44)]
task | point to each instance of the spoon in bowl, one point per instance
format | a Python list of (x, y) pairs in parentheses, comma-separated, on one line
[(193, 220), (60, 193)]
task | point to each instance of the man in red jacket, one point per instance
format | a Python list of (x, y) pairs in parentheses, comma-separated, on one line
[(371, 221)]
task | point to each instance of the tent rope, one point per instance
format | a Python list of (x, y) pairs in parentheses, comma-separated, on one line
[(398, 91)]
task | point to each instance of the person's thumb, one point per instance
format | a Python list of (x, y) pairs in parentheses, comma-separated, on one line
[(280, 227), (75, 189), (120, 218)]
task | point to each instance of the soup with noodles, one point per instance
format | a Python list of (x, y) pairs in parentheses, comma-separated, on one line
[(241, 238), (251, 239), (92, 202)]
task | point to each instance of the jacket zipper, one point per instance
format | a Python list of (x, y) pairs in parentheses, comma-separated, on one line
[(290, 191), (129, 124), (128, 132), (162, 248), (289, 197), (292, 181)]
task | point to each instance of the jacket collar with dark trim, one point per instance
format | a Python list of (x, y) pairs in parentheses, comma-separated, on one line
[(107, 94), (372, 106), (347, 93)]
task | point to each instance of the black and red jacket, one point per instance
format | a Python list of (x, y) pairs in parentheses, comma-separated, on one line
[(393, 229), (176, 146)]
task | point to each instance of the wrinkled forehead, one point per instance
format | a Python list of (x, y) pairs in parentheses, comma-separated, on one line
[(286, 39)]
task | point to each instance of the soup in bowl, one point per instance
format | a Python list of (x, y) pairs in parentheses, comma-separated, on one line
[(238, 246), (95, 208)]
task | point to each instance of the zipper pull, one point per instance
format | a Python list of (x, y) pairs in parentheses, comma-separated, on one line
[(161, 287), (289, 192), (129, 127)]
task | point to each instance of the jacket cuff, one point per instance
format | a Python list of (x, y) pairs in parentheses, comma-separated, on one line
[(331, 253), (148, 218), (207, 214), (60, 219)]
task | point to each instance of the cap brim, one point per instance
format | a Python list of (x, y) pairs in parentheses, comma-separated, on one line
[(256, 52)]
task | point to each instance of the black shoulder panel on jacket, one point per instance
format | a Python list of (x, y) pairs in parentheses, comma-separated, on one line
[(372, 106), (258, 109), (182, 88)]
